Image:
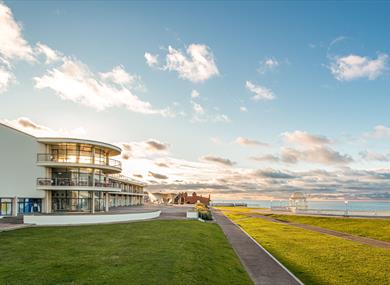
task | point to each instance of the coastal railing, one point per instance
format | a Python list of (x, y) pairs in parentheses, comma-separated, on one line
[(73, 182), (69, 158), (334, 212)]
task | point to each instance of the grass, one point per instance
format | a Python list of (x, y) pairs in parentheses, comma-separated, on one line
[(153, 252), (371, 228), (317, 258)]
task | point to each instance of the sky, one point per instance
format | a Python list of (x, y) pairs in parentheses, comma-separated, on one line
[(240, 100)]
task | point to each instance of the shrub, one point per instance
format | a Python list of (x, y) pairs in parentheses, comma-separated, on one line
[(204, 212), (205, 215)]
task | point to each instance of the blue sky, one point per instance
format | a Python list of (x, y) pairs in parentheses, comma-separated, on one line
[(292, 96)]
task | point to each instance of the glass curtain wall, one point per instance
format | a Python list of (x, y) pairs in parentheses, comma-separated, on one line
[(71, 201), (77, 177), (100, 202), (77, 201), (78, 153)]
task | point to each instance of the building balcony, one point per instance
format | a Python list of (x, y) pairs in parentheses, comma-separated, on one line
[(109, 165), (75, 185)]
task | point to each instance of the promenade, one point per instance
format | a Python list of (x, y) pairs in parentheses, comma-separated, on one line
[(261, 267)]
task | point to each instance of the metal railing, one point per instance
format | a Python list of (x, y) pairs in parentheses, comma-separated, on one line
[(72, 182), (47, 157)]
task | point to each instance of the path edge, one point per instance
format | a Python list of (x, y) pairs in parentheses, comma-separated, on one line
[(267, 252)]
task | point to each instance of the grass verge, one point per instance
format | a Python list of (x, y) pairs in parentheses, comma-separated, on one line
[(371, 228), (153, 252), (317, 258)]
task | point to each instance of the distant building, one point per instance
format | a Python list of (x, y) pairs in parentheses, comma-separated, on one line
[(297, 201), (161, 198), (184, 198)]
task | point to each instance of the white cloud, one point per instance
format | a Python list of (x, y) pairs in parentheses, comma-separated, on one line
[(218, 160), (304, 138), (74, 81), (194, 94), (12, 46), (119, 75), (156, 146), (311, 148), (318, 154), (197, 65), (50, 54), (143, 149), (248, 142), (198, 109), (374, 156), (6, 78), (12, 43), (151, 59), (243, 109), (28, 126), (221, 118), (268, 64), (379, 132), (354, 66), (265, 158), (261, 93), (200, 115)]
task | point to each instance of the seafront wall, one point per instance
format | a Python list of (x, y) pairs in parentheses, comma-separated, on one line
[(44, 220)]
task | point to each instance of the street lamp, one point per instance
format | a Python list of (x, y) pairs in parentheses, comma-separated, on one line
[(346, 207), (270, 206)]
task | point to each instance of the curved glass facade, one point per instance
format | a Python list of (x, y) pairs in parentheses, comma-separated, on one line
[(78, 153)]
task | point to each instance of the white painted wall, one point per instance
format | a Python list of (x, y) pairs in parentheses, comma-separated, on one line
[(18, 169), (192, 215), (88, 219)]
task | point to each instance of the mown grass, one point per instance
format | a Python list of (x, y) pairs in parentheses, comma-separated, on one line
[(241, 210), (317, 258), (372, 228), (153, 252)]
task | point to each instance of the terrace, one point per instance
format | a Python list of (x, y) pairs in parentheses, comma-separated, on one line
[(70, 184), (75, 159)]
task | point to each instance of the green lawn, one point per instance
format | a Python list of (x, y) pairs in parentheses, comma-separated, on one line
[(153, 252), (317, 258), (372, 228)]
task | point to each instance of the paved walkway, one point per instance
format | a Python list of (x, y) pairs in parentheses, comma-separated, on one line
[(9, 227), (262, 268), (363, 240)]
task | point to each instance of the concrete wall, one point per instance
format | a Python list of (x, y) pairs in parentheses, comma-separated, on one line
[(18, 169), (88, 219)]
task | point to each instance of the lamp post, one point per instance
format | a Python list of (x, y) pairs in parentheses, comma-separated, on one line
[(270, 206), (346, 207)]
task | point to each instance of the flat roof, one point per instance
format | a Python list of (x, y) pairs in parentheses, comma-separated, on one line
[(113, 150), (125, 179)]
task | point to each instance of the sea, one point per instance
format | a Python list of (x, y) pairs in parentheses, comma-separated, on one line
[(318, 205)]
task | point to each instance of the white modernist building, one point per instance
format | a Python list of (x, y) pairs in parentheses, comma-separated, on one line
[(51, 175)]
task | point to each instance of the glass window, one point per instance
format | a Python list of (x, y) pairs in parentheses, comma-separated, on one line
[(5, 206), (28, 205), (76, 201)]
